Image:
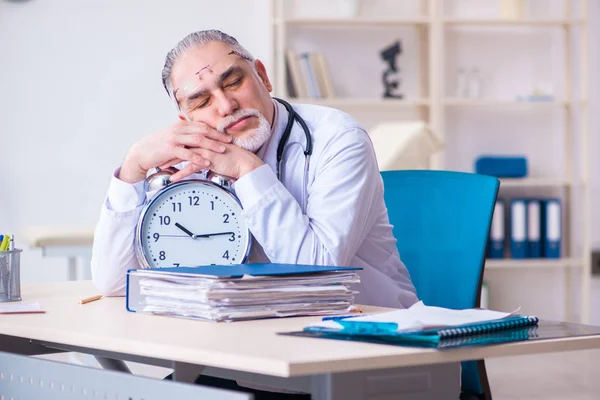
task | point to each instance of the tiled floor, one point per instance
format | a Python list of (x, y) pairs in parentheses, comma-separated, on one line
[(570, 375)]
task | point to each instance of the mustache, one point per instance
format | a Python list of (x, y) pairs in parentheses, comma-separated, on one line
[(235, 117)]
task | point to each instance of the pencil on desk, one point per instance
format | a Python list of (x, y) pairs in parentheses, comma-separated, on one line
[(90, 299)]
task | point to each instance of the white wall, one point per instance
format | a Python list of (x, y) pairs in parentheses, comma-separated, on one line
[(79, 83), (595, 119)]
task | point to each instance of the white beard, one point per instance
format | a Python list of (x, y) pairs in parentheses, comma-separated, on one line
[(254, 139)]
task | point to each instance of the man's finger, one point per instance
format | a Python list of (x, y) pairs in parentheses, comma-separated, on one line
[(170, 163), (201, 141), (200, 128), (191, 156), (211, 132), (187, 171)]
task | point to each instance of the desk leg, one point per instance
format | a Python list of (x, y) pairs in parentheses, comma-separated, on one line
[(183, 372), (72, 272), (112, 364), (431, 382)]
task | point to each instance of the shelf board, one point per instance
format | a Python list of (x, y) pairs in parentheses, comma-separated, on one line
[(514, 22), (502, 103), (537, 182), (345, 22), (532, 263), (362, 102)]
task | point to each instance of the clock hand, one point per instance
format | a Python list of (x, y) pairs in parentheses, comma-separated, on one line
[(177, 236), (190, 234), (206, 235)]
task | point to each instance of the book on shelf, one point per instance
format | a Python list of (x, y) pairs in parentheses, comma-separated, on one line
[(551, 228), (497, 237), (308, 75)]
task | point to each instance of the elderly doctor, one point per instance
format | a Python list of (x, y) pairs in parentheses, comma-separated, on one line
[(230, 124)]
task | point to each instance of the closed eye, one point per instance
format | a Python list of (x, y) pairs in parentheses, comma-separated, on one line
[(234, 83), (202, 104)]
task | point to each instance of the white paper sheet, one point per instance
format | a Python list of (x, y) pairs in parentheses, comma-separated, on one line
[(20, 308), (420, 316)]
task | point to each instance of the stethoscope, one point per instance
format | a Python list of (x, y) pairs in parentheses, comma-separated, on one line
[(283, 146)]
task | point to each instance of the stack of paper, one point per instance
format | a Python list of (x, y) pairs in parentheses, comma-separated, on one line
[(228, 293)]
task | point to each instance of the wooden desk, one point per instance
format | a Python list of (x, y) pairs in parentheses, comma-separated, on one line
[(327, 368)]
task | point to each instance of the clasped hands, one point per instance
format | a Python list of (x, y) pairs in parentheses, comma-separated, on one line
[(196, 142)]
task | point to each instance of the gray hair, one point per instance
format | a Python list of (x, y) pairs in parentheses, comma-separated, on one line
[(193, 40)]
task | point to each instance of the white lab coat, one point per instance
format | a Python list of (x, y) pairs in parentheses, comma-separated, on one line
[(346, 222)]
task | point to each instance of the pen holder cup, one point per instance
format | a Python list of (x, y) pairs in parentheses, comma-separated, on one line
[(10, 275)]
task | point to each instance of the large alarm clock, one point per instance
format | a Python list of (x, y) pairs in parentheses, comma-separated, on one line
[(190, 223)]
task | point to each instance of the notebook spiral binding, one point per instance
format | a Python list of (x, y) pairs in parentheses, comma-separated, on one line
[(488, 327), (498, 337)]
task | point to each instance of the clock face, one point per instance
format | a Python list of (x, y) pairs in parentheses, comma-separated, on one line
[(193, 223)]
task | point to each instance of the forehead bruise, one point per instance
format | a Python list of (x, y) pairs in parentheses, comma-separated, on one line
[(194, 59)]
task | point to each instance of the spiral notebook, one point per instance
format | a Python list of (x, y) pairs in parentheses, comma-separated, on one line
[(433, 336), (430, 341), (420, 325), (543, 330)]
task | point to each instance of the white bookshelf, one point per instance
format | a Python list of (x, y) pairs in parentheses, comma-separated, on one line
[(538, 182), (365, 102), (527, 22), (457, 102), (432, 27), (534, 263), (351, 22)]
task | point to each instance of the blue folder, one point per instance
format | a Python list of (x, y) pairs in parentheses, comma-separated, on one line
[(534, 228), (518, 228), (497, 236), (552, 228), (239, 270), (450, 336)]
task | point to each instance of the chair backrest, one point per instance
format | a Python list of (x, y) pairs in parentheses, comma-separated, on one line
[(24, 377), (441, 221)]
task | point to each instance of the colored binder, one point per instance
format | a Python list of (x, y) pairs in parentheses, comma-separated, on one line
[(518, 228), (438, 338), (239, 270), (552, 224), (497, 231), (534, 227)]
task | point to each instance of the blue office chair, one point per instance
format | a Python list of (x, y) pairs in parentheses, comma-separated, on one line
[(442, 220)]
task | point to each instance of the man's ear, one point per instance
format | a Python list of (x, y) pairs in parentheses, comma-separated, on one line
[(262, 74)]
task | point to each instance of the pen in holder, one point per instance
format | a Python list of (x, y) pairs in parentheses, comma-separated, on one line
[(10, 280)]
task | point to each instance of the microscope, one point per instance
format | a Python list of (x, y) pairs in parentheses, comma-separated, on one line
[(389, 55)]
